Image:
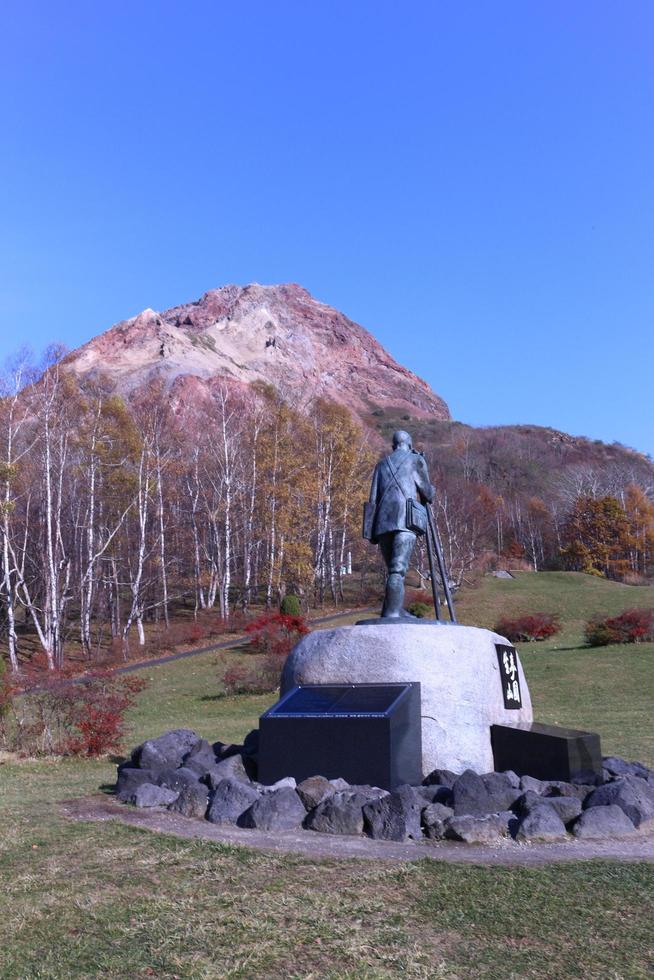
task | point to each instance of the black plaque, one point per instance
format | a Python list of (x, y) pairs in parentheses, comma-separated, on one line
[(508, 660), (547, 752), (364, 733)]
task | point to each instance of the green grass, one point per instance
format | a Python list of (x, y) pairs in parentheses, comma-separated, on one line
[(90, 900), (605, 689)]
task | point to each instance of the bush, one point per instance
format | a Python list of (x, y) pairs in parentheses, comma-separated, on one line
[(524, 629), (290, 606), (421, 610), (61, 717), (275, 633), (631, 626), (259, 678)]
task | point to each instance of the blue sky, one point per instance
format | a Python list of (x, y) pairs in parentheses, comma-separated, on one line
[(474, 183)]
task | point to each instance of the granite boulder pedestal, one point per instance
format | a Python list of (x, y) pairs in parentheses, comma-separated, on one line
[(463, 691)]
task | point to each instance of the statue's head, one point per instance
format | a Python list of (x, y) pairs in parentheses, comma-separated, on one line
[(402, 439)]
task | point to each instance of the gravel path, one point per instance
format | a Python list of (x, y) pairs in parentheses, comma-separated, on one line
[(637, 847)]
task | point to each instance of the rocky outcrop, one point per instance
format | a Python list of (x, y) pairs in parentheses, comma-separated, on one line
[(238, 335)]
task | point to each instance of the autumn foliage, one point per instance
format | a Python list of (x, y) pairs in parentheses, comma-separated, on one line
[(524, 629), (58, 716), (631, 626)]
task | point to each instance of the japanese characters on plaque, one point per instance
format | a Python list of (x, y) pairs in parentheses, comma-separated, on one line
[(508, 661)]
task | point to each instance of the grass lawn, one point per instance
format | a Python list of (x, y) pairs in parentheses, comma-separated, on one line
[(88, 900)]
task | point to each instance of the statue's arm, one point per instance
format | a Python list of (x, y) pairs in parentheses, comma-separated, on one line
[(374, 486), (425, 488)]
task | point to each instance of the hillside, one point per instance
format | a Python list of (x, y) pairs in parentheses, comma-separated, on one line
[(237, 335), (604, 689)]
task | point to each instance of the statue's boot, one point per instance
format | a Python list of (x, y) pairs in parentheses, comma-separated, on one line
[(394, 598)]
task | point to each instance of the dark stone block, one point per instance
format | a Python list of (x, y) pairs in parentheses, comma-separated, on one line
[(436, 794), (434, 819), (440, 777), (341, 813), (566, 807), (631, 793), (147, 794), (620, 767), (386, 819), (130, 779), (547, 752), (178, 778), (231, 799), (542, 823), (365, 733), (600, 822), (192, 801), (281, 810), (476, 829), (230, 767), (201, 757), (167, 751)]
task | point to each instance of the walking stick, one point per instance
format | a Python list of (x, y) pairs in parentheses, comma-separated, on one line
[(433, 527), (432, 575)]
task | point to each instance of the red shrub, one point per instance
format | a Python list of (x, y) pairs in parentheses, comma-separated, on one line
[(524, 629), (275, 633), (85, 717), (631, 626)]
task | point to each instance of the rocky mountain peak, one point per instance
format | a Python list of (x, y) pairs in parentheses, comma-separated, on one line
[(242, 334)]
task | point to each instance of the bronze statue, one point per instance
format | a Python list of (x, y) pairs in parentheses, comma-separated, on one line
[(396, 514)]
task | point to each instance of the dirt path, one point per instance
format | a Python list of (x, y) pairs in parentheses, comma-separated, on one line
[(638, 847), (226, 644)]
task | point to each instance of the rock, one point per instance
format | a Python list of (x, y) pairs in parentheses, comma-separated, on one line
[(440, 777), (167, 751), (633, 794), (542, 823), (395, 816), (602, 821), (130, 779), (147, 794), (177, 779), (476, 830), (501, 789), (513, 778), (458, 670), (314, 790), (231, 767), (201, 757), (288, 782), (620, 767), (469, 795), (435, 794), (251, 743), (385, 819), (557, 788), (341, 813), (192, 801), (339, 784), (566, 807), (230, 800), (224, 750), (535, 785), (281, 810), (434, 819)]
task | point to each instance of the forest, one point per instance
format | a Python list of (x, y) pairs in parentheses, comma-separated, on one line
[(119, 511)]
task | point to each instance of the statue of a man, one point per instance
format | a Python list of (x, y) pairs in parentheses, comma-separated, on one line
[(395, 514)]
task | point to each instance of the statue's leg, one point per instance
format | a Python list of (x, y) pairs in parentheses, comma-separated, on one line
[(400, 550)]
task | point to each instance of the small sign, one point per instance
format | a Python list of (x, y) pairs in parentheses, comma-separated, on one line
[(508, 661)]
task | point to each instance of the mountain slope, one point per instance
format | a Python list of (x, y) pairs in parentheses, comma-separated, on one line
[(277, 334)]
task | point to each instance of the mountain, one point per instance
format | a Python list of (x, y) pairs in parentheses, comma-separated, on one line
[(238, 335)]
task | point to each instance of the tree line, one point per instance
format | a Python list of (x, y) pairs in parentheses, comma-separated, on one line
[(115, 509)]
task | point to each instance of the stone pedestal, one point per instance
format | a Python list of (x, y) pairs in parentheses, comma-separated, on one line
[(462, 690)]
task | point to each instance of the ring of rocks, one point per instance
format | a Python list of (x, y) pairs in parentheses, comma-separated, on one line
[(216, 783)]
